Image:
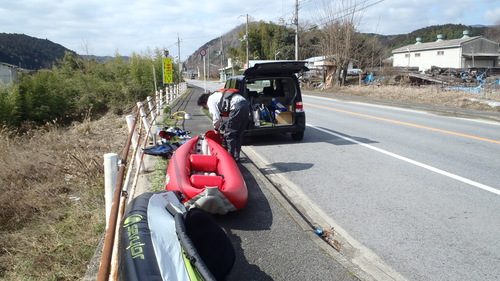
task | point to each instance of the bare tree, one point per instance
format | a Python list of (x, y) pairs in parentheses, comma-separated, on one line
[(493, 32), (85, 45), (368, 51), (338, 21)]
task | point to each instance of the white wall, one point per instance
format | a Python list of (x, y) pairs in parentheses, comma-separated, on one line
[(7, 74), (425, 59), (400, 60)]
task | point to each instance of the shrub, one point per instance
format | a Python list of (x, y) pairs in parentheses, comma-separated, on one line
[(78, 87), (9, 97)]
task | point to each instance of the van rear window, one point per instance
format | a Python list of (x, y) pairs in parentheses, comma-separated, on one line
[(275, 87)]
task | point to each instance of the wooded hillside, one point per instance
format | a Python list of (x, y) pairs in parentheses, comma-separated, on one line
[(268, 38), (429, 34), (30, 52)]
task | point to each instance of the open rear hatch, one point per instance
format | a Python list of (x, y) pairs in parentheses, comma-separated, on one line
[(281, 67)]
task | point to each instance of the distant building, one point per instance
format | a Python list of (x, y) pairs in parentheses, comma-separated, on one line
[(8, 73), (328, 63), (465, 52)]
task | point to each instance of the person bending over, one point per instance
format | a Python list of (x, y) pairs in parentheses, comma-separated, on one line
[(230, 114)]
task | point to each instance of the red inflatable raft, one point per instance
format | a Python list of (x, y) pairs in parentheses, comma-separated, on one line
[(207, 175)]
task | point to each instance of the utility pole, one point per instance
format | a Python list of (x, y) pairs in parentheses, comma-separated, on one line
[(246, 39), (179, 50), (409, 54), (222, 71), (248, 61), (205, 74), (296, 22)]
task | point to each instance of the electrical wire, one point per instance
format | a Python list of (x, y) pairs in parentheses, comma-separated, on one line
[(349, 10)]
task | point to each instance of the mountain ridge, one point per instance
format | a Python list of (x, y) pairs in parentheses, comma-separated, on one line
[(35, 53), (30, 52)]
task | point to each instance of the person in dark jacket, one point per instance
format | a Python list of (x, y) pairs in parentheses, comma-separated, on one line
[(234, 124)]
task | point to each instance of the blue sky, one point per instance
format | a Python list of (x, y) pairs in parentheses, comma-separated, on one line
[(108, 27)]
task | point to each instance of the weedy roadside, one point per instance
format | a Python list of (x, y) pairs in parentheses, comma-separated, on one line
[(51, 197)]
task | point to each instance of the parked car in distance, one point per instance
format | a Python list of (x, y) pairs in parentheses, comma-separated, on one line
[(273, 92)]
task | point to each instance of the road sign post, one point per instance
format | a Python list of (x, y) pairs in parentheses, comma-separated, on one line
[(203, 53)]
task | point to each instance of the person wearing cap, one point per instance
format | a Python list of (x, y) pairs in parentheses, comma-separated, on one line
[(234, 124)]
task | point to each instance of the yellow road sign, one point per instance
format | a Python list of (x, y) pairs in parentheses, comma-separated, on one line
[(167, 71)]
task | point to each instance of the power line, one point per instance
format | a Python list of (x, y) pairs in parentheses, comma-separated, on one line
[(349, 13), (260, 6)]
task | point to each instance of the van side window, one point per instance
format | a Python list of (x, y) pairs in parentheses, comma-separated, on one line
[(232, 84)]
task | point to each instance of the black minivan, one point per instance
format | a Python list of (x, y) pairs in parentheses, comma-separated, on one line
[(273, 92)]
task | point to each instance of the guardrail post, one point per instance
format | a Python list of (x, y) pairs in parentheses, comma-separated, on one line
[(159, 99), (145, 120), (110, 178), (167, 93), (130, 124), (152, 109)]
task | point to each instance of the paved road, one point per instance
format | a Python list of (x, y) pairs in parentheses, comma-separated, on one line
[(272, 240), (414, 195), (417, 193)]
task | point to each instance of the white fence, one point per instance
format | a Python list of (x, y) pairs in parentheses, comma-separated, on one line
[(119, 185)]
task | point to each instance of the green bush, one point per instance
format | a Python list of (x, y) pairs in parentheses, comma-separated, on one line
[(77, 88), (9, 96)]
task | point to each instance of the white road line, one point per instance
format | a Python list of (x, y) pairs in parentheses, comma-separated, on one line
[(425, 166)]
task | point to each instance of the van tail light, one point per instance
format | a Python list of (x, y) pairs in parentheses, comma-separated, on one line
[(299, 107)]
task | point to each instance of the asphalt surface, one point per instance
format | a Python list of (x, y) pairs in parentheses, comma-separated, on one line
[(352, 164), (273, 238)]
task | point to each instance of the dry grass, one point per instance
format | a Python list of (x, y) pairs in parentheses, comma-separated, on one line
[(51, 198)]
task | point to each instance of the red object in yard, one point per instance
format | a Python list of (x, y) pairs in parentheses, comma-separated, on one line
[(207, 175)]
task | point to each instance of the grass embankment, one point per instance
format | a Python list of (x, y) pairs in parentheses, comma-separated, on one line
[(51, 198), (51, 185)]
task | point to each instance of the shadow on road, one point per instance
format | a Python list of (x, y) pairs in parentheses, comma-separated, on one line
[(254, 217), (311, 136)]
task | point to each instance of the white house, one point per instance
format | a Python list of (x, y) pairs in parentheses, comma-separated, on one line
[(465, 52), (8, 73)]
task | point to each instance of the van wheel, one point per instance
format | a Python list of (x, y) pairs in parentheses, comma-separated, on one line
[(298, 136)]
